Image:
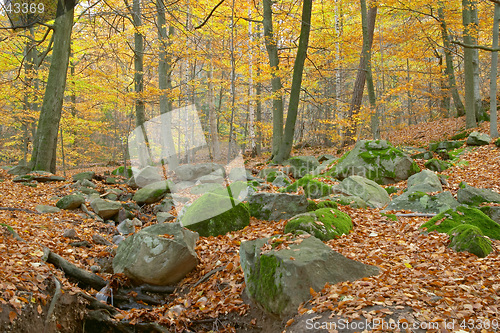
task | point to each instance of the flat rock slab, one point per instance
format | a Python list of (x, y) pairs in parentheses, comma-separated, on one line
[(276, 206)]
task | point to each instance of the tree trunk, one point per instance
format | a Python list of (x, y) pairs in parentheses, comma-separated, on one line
[(369, 78), (212, 114), (493, 76), (470, 114), (44, 147), (298, 69), (359, 85), (272, 51), (478, 101), (450, 70), (165, 85)]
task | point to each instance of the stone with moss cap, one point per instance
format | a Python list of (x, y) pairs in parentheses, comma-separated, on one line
[(276, 206), (372, 193), (153, 192), (466, 237), (302, 165), (377, 160), (313, 188), (312, 205), (450, 219), (279, 280), (324, 223), (213, 214), (478, 139), (469, 195)]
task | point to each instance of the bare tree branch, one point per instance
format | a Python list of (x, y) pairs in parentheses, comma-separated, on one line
[(480, 47), (209, 15)]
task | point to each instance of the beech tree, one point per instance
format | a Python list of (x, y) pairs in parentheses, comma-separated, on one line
[(44, 147)]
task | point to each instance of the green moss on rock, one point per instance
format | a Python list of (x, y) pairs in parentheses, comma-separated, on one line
[(447, 220), (313, 188), (466, 237), (324, 223)]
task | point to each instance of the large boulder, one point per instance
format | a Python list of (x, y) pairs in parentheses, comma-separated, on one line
[(302, 165), (153, 192), (105, 208), (324, 223), (150, 257), (377, 160), (478, 139), (437, 165), (474, 196), (19, 170), (147, 175), (421, 202), (213, 214), (368, 190), (276, 206), (187, 172), (424, 181), (466, 237), (278, 280), (447, 220), (445, 145), (493, 212), (71, 201)]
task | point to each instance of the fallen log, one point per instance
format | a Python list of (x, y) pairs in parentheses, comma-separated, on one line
[(86, 277)]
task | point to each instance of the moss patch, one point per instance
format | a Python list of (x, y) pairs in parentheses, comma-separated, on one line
[(466, 237), (497, 142), (447, 220), (324, 224), (313, 188)]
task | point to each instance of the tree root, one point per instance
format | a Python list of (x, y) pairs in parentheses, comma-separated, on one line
[(86, 277), (11, 209), (12, 232), (53, 303)]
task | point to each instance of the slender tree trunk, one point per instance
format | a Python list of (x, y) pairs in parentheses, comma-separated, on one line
[(272, 51), (298, 69), (212, 115), (470, 114), (450, 70), (493, 76), (258, 112), (359, 85), (478, 101), (45, 145), (165, 85), (369, 78)]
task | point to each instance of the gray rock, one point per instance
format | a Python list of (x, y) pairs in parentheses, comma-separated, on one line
[(147, 175), (445, 145), (183, 185), (127, 226), (271, 277), (376, 160), (87, 183), (19, 170), (238, 174), (266, 172), (105, 208), (124, 214), (71, 201), (347, 200), (117, 239), (47, 209), (194, 171), (164, 206), (84, 175), (302, 165), (326, 157), (162, 217), (493, 212), (424, 181), (281, 181), (98, 239), (213, 214), (427, 155), (211, 179), (421, 202), (478, 139), (324, 223), (153, 192), (437, 165), (372, 193), (276, 206), (474, 196), (204, 188), (70, 233), (145, 257)]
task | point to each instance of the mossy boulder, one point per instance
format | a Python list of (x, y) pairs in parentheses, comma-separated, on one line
[(88, 175), (348, 200), (302, 165), (213, 214), (312, 205), (313, 188), (281, 181), (153, 192), (377, 160), (437, 165), (105, 208), (446, 221), (474, 196), (445, 145), (497, 142), (120, 171), (493, 212), (276, 206), (280, 279), (426, 155), (422, 202), (478, 139), (368, 190), (324, 223), (469, 238), (69, 202), (461, 135)]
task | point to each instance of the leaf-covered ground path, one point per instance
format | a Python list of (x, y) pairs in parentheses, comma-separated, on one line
[(417, 270)]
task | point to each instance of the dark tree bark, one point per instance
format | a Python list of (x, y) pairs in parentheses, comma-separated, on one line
[(45, 143), (470, 114), (298, 69)]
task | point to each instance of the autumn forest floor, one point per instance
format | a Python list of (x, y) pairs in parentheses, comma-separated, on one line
[(421, 279)]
